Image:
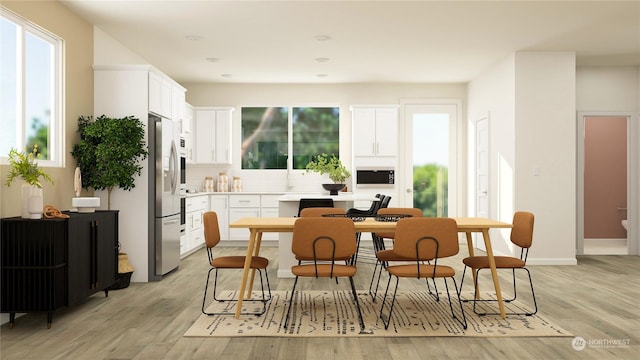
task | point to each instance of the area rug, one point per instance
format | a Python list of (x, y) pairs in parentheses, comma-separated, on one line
[(333, 314)]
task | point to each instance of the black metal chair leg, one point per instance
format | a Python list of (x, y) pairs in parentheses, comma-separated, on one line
[(293, 291)]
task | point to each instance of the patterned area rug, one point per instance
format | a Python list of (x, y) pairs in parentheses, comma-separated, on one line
[(333, 314)]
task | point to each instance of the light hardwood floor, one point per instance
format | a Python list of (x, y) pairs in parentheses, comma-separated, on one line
[(597, 300)]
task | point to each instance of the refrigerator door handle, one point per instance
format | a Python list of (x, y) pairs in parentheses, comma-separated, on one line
[(173, 167)]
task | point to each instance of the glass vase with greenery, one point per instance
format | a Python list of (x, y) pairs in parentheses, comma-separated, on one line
[(24, 165)]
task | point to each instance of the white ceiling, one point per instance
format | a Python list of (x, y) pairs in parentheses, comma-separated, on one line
[(370, 41)]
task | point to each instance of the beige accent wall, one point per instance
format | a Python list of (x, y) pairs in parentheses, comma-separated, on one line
[(78, 97)]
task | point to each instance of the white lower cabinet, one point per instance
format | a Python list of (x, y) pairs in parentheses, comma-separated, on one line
[(269, 208), (194, 208), (220, 204), (240, 206)]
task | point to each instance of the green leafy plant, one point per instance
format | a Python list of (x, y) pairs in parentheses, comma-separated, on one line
[(24, 165), (109, 152), (331, 165)]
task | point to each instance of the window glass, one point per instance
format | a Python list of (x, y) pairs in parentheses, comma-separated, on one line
[(315, 131), (265, 137), (38, 86), (8, 89)]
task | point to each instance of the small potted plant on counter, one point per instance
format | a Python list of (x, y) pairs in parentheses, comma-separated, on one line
[(24, 165), (332, 166)]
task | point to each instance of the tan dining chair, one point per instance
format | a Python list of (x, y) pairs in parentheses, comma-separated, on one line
[(521, 236), (418, 240), (212, 238), (321, 242), (384, 255)]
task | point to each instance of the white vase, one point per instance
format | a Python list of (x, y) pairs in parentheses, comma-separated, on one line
[(32, 202)]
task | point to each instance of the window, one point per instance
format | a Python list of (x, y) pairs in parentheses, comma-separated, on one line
[(30, 89), (266, 139)]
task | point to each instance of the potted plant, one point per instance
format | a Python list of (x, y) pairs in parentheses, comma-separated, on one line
[(332, 166), (109, 152), (25, 166)]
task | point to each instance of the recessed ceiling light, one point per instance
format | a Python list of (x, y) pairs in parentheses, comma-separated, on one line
[(322, 37), (322, 59), (322, 75), (193, 37), (226, 76), (212, 59)]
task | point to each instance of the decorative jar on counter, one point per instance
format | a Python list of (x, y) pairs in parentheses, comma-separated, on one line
[(236, 185), (208, 184), (222, 182)]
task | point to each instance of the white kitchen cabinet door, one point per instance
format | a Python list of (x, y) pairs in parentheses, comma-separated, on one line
[(159, 95), (220, 204), (375, 131), (213, 135), (239, 213)]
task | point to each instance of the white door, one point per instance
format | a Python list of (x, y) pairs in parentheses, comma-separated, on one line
[(430, 162), (482, 167)]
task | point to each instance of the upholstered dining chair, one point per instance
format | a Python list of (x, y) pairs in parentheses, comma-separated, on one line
[(321, 242), (212, 238), (383, 255), (521, 236), (418, 240)]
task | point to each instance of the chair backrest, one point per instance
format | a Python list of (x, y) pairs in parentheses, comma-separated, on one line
[(522, 231), (211, 229), (310, 202), (414, 212), (319, 211), (415, 233), (336, 238), (384, 202)]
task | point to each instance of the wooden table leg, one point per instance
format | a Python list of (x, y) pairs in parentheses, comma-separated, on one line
[(256, 252), (471, 253), (494, 271), (245, 272)]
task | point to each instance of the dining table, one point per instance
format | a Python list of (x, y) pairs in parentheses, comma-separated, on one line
[(259, 225)]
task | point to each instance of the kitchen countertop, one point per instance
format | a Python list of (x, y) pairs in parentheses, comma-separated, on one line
[(203, 193)]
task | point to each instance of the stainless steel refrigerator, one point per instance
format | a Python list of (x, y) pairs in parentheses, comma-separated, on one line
[(164, 196)]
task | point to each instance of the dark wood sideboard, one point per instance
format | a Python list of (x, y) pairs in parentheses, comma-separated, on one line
[(50, 264)]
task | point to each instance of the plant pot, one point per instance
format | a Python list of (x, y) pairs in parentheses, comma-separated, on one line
[(32, 202), (333, 188)]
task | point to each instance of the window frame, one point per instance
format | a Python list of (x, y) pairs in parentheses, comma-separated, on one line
[(56, 138)]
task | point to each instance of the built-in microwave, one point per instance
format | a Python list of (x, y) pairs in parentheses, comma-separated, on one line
[(375, 177)]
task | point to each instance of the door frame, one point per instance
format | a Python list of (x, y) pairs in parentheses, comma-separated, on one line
[(633, 178), (457, 192)]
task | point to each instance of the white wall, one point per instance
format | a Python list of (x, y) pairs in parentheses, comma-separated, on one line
[(530, 99), (545, 140)]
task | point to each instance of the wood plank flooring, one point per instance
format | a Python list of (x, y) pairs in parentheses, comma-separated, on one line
[(597, 300)]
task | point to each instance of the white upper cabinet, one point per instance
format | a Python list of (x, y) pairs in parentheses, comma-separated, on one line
[(177, 106), (375, 131), (159, 95), (213, 135)]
